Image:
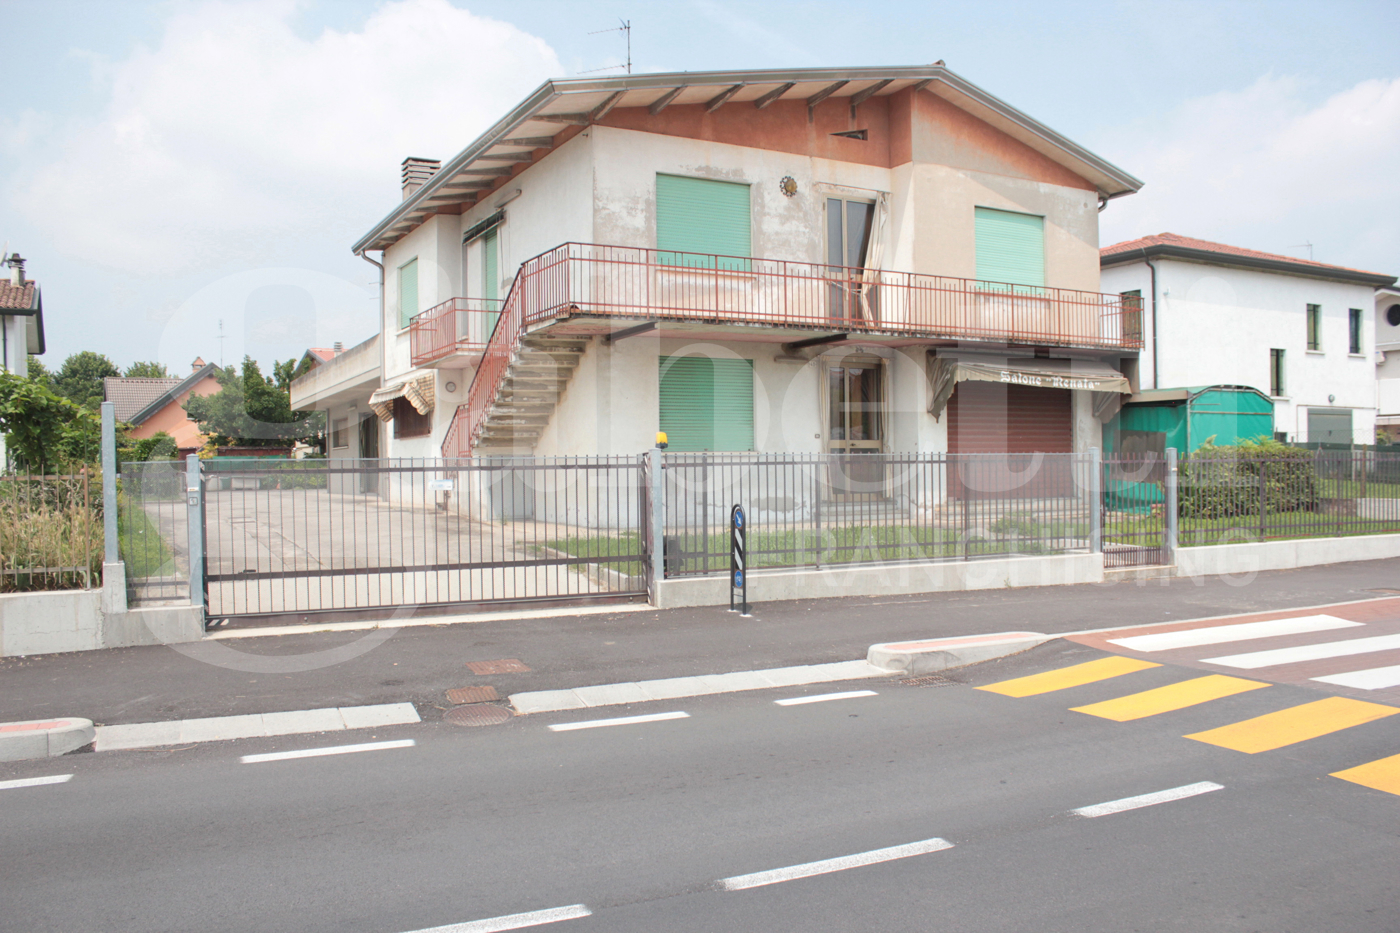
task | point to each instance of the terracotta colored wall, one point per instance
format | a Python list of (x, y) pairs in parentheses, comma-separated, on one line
[(172, 419)]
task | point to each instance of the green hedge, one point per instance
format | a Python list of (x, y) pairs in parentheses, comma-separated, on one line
[(1224, 482)]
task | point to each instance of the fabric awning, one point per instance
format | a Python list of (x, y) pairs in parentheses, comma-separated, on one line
[(419, 387), (1108, 384)]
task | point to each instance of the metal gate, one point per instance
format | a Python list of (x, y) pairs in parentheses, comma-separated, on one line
[(1135, 510), (287, 537)]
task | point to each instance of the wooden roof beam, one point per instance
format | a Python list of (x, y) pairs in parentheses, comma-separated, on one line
[(601, 111), (662, 102), (508, 157), (533, 142), (822, 95), (774, 94), (722, 97)]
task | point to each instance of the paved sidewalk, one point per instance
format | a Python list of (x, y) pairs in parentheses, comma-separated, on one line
[(253, 675)]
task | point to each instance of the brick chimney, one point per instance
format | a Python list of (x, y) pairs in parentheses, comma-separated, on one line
[(16, 264), (197, 365), (416, 173)]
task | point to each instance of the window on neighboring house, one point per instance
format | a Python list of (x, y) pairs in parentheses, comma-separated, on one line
[(1132, 314), (1314, 327), (697, 215), (409, 422), (707, 404), (1010, 247), (1354, 332), (340, 437), (408, 291), (1276, 384)]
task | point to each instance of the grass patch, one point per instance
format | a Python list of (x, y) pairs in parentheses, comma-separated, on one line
[(144, 550)]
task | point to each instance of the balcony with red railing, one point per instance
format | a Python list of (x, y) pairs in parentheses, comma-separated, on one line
[(767, 296), (454, 333)]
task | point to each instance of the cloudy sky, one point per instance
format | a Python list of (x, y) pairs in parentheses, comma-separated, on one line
[(168, 166)]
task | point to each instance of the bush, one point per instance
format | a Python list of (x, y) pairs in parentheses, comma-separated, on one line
[(1224, 482)]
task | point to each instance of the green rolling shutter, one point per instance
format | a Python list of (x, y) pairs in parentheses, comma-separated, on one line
[(408, 291), (1010, 247), (491, 273), (696, 215), (707, 404)]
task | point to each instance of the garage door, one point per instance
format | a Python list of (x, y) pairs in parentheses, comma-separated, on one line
[(1018, 421)]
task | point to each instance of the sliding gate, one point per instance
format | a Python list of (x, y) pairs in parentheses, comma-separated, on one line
[(286, 537)]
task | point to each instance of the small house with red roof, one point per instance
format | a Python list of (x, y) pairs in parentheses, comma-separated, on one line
[(1301, 331)]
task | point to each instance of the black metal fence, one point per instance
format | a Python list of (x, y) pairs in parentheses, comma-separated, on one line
[(50, 532), (824, 509), (1306, 493), (1135, 510), (292, 537), (153, 531)]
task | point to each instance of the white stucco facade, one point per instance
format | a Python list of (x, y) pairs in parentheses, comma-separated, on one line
[(1388, 362), (1215, 324)]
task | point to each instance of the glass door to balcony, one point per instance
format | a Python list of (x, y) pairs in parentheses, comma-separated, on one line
[(856, 430), (848, 229)]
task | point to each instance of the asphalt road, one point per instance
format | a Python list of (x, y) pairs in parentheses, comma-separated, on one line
[(419, 664), (642, 823)]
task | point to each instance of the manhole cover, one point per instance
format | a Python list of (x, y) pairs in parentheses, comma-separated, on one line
[(503, 666), (472, 695), (929, 680), (482, 714)]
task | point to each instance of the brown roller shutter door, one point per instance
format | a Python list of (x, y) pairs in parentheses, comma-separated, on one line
[(990, 417)]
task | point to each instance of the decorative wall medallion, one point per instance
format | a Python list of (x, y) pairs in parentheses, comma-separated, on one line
[(788, 186), (451, 387)]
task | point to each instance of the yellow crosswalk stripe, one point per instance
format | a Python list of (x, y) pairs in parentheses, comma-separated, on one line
[(1380, 775), (1295, 724), (1066, 677), (1171, 697)]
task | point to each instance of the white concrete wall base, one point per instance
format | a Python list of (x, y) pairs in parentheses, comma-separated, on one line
[(44, 738), (155, 625), (1240, 559), (886, 579), (76, 620)]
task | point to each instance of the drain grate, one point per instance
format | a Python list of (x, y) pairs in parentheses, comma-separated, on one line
[(930, 680), (482, 714), (502, 666), (472, 695)]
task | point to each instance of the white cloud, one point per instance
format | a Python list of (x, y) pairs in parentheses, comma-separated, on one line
[(1262, 168), (236, 136)]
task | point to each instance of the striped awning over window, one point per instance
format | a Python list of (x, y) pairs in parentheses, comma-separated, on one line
[(419, 387), (1084, 375)]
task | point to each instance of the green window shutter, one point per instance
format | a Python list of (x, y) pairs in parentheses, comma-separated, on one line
[(1010, 247), (408, 291), (696, 215), (491, 274), (707, 404)]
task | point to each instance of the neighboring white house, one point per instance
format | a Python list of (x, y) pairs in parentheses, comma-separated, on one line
[(1302, 331), (21, 323), (788, 261), (1388, 362)]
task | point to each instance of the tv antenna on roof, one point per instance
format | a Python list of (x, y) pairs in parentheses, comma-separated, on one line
[(221, 343), (626, 30), (1301, 245)]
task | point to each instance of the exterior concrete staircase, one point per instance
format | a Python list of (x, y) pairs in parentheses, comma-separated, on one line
[(539, 370)]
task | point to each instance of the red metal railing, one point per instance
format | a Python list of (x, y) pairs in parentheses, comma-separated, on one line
[(582, 278), (458, 325)]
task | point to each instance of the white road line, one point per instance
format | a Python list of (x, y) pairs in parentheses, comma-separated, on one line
[(621, 721), (534, 918), (1377, 678), (822, 698), (1147, 800), (36, 782), (332, 750), (1219, 634), (1330, 649), (792, 872)]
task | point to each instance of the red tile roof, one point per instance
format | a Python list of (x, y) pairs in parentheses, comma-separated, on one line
[(18, 297), (1161, 240), (130, 394)]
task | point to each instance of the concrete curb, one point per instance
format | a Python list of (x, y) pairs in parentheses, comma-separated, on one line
[(44, 738), (937, 654)]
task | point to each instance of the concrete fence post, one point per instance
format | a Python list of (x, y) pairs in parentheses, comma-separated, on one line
[(194, 498), (657, 518), (109, 484), (1170, 506), (1096, 501)]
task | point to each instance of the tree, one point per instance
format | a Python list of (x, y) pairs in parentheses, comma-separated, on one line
[(251, 410), (80, 377), (43, 430), (147, 370), (38, 372)]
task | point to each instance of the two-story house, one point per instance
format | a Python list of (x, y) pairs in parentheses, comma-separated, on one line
[(21, 323), (1299, 330), (823, 260)]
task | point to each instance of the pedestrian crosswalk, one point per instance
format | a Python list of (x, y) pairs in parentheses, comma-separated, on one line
[(1300, 640)]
